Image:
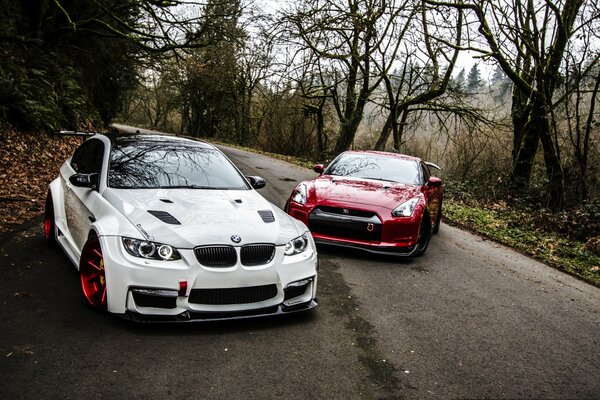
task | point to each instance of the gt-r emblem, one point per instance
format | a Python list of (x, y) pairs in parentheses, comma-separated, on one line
[(370, 227), (236, 239)]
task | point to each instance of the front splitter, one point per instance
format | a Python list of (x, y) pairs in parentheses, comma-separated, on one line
[(190, 316)]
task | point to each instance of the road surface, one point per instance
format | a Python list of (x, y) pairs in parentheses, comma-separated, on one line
[(470, 319)]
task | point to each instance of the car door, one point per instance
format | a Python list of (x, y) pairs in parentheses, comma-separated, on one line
[(432, 192), (87, 159)]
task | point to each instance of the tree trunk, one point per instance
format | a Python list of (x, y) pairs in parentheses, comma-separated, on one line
[(525, 156), (554, 172), (321, 130), (519, 117), (583, 155), (398, 130), (385, 132), (347, 132), (538, 129)]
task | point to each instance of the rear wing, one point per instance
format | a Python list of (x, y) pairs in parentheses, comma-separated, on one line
[(73, 133), (432, 165)]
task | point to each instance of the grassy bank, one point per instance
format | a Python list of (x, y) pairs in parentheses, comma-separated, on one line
[(512, 228)]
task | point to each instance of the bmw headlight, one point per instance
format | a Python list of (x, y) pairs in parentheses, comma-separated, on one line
[(406, 209), (296, 246), (150, 250), (299, 195)]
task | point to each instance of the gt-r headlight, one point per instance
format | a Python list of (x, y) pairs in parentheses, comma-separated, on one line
[(406, 209), (296, 246), (299, 194), (150, 250)]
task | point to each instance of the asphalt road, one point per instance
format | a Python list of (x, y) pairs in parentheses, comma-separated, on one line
[(470, 319)]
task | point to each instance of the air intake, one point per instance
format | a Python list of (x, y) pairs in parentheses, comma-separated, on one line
[(266, 215), (242, 295), (165, 217)]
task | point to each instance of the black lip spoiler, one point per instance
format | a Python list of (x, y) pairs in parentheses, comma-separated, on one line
[(199, 317)]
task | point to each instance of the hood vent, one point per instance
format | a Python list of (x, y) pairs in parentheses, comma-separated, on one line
[(266, 215), (165, 217)]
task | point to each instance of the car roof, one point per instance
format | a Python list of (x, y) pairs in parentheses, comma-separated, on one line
[(383, 153)]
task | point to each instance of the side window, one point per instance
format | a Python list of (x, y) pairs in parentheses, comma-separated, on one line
[(88, 157), (425, 172)]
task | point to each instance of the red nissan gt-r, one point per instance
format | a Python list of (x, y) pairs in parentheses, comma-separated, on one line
[(376, 201)]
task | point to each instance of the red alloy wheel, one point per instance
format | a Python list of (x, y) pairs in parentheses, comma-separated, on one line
[(91, 269)]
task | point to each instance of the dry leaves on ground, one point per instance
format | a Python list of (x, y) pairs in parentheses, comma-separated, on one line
[(28, 163)]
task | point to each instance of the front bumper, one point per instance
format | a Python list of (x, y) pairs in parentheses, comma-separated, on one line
[(371, 230), (188, 316), (185, 290)]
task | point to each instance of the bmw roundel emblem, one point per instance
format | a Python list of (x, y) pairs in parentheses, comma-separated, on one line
[(236, 239)]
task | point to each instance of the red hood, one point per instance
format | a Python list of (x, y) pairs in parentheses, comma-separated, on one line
[(362, 191)]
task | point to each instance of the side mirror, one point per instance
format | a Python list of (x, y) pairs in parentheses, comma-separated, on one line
[(256, 182), (434, 181), (89, 181), (319, 168)]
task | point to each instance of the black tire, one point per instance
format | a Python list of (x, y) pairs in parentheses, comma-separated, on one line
[(436, 227), (425, 232), (49, 224)]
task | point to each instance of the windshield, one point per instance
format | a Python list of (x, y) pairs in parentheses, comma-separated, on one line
[(144, 165), (373, 166)]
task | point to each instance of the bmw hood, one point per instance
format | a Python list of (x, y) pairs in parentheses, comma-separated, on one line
[(186, 218), (348, 190)]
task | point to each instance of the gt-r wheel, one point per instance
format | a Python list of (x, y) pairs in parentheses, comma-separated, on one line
[(424, 234), (49, 225), (91, 270), (436, 227)]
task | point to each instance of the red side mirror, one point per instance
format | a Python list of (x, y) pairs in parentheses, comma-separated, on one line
[(434, 181), (318, 168)]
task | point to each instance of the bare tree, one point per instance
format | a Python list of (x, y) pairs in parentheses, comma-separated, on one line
[(427, 65), (343, 38), (528, 40)]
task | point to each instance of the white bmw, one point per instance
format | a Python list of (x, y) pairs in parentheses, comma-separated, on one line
[(167, 228)]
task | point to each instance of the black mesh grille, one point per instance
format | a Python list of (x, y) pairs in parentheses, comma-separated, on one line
[(244, 295), (165, 217), (267, 216), (257, 254), (216, 256), (321, 221)]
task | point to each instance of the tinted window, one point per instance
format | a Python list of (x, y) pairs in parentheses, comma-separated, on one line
[(374, 166), (168, 165), (88, 157)]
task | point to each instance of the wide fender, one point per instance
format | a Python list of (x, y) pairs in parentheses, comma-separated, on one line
[(110, 222), (56, 190)]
